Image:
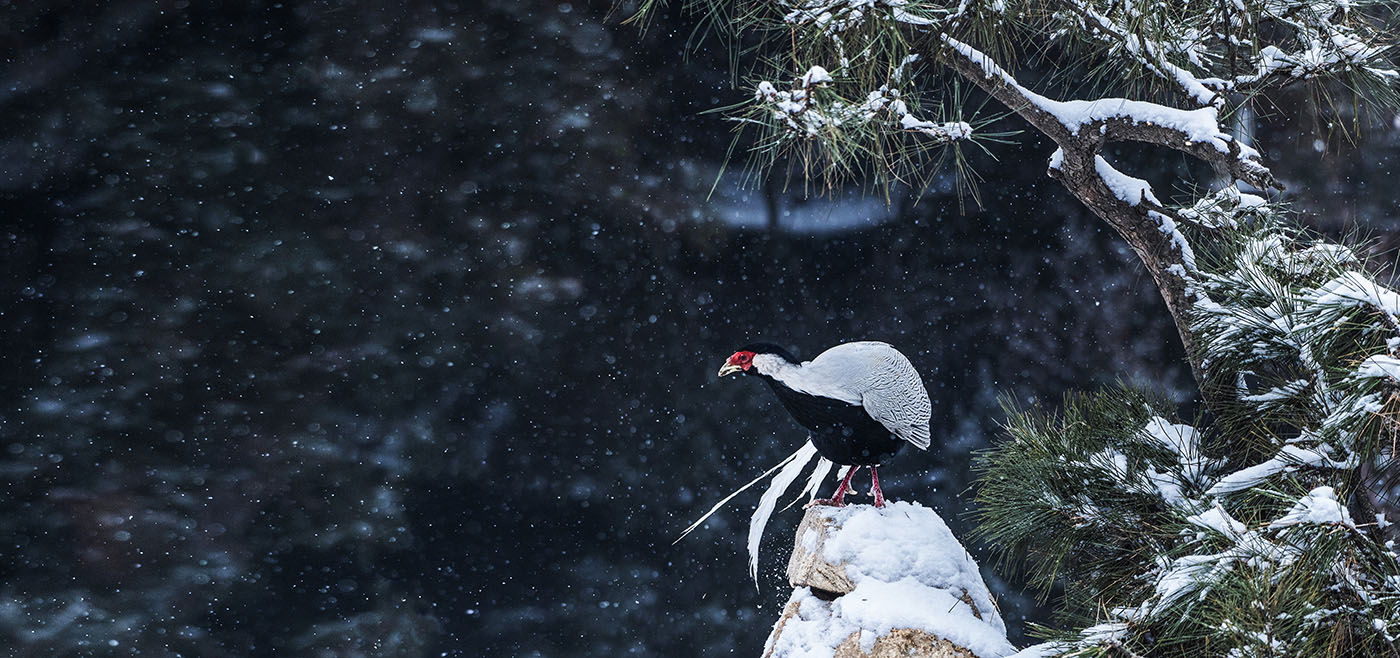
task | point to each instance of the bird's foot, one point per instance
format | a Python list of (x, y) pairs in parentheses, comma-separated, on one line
[(875, 487), (839, 500)]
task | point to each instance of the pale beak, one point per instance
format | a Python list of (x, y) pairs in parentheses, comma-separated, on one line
[(729, 369)]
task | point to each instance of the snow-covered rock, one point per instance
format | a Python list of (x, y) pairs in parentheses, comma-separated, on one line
[(884, 582)]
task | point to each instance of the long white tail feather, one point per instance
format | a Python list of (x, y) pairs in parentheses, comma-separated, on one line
[(814, 483), (791, 469), (841, 474), (738, 491)]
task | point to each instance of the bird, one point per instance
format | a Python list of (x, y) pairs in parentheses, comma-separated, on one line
[(860, 401)]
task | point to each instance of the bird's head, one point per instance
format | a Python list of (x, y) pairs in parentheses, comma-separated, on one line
[(741, 361), (750, 358)]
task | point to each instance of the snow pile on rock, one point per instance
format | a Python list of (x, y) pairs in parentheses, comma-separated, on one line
[(900, 583)]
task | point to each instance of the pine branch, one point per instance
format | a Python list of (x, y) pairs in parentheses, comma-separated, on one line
[(1260, 554), (1258, 44), (1150, 54), (1146, 224), (1089, 125)]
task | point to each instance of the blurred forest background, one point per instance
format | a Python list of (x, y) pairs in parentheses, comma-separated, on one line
[(390, 329)]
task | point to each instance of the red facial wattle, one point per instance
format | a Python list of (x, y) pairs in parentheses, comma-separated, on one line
[(739, 362)]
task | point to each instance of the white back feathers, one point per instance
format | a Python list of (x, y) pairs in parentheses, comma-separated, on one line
[(871, 374)]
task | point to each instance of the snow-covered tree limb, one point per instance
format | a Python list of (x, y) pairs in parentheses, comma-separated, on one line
[(1082, 128)]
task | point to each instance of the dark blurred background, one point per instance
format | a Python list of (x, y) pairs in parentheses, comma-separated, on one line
[(390, 329)]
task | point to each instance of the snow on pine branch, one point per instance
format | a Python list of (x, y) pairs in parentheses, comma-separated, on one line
[(1354, 289), (1308, 340), (1136, 191), (1320, 506), (1262, 315), (1288, 460), (1184, 443), (1325, 37), (1090, 123), (1119, 30), (1268, 547), (1269, 315), (1228, 207), (836, 17), (1380, 366), (1128, 189), (1195, 575), (811, 108), (1207, 54)]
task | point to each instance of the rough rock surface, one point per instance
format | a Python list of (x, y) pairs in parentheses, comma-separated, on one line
[(884, 582)]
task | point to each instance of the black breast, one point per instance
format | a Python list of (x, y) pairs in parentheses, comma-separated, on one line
[(841, 432)]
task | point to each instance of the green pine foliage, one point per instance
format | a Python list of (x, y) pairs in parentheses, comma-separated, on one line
[(852, 127), (1082, 496), (1253, 536)]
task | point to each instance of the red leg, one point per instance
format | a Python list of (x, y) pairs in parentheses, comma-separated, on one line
[(840, 496), (875, 488), (839, 499)]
